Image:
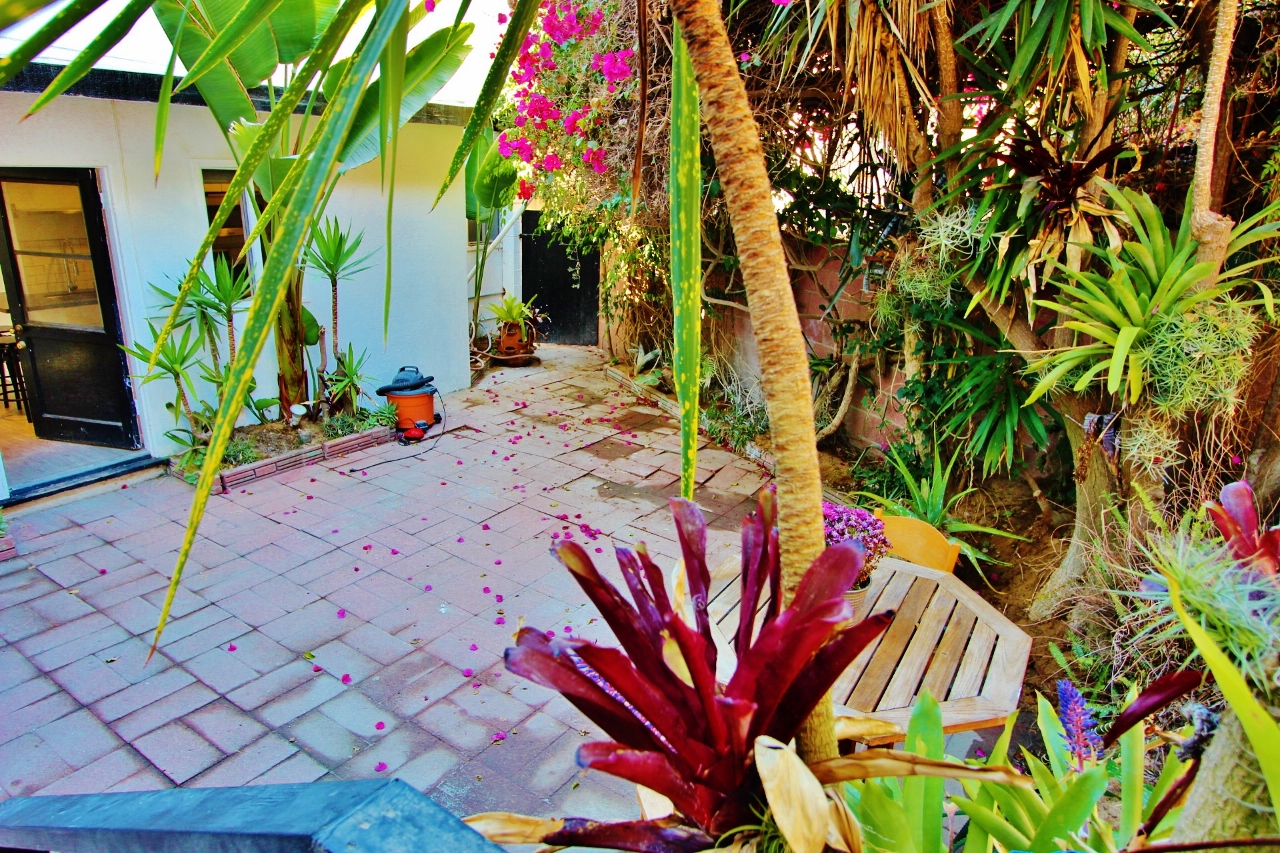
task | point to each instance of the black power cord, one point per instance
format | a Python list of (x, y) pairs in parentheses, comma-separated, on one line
[(443, 428)]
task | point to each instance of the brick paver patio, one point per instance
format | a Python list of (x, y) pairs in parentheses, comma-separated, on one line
[(347, 620)]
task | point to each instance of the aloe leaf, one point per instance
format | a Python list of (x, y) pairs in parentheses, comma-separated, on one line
[(1263, 731), (280, 266), (246, 20), (923, 794), (64, 19), (108, 38), (686, 256), (1071, 811), (481, 115), (166, 93), (12, 11), (1132, 764), (276, 122), (1115, 375)]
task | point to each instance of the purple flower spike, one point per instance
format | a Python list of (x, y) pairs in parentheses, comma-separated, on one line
[(1077, 723)]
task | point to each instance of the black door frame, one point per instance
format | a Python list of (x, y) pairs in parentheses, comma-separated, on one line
[(95, 227)]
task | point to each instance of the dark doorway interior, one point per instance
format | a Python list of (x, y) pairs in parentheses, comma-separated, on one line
[(64, 373), (567, 285)]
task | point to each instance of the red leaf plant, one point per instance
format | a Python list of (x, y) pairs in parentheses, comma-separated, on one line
[(673, 728), (1237, 520)]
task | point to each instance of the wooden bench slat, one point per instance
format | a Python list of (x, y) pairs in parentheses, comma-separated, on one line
[(946, 657), (973, 667), (1003, 684), (906, 677), (894, 588), (892, 645)]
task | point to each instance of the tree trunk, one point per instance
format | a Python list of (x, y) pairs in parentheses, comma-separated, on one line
[(290, 338), (337, 351), (1094, 494), (739, 155), (1212, 230), (1229, 798), (950, 119)]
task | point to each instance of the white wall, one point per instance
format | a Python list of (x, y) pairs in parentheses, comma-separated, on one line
[(155, 226)]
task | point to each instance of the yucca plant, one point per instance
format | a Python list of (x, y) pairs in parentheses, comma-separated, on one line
[(1149, 278), (343, 386), (927, 500), (221, 296), (174, 359), (333, 252)]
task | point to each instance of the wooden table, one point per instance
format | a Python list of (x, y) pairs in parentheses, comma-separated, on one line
[(944, 638)]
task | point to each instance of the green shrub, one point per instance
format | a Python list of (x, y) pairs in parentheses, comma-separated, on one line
[(240, 451), (384, 415), (734, 427), (342, 424)]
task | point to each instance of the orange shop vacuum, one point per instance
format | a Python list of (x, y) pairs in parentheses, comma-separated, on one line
[(414, 397)]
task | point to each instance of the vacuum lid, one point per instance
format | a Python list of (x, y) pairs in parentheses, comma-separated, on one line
[(407, 380)]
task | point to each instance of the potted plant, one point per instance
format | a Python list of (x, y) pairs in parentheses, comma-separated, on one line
[(517, 335), (840, 523)]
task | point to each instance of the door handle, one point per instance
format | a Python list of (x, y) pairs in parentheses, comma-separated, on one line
[(21, 345)]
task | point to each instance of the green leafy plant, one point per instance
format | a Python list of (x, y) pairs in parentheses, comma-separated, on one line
[(240, 451), (987, 407), (734, 427), (344, 385), (334, 253), (642, 372), (926, 499), (175, 359), (384, 415), (191, 455), (490, 188), (512, 310), (221, 296), (1150, 280), (344, 423)]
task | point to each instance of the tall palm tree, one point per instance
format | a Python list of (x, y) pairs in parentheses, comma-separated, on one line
[(735, 141)]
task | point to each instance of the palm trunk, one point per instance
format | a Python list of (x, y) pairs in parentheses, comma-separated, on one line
[(1229, 798), (231, 337), (211, 335), (950, 119), (289, 348), (333, 283), (735, 142)]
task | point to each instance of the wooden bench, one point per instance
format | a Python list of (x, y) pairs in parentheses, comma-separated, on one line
[(944, 638)]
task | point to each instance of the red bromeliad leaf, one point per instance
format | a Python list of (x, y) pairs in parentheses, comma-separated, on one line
[(641, 836), (694, 650), (654, 771), (650, 616), (672, 719), (1236, 518), (534, 658), (835, 571), (821, 673), (754, 570), (656, 584), (691, 528), (1165, 690)]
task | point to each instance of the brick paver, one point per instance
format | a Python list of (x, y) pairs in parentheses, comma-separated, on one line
[(368, 600)]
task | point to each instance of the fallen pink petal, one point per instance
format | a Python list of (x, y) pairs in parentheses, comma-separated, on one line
[(342, 614), (346, 678), (474, 647), (231, 648), (379, 725), (468, 672), (382, 765)]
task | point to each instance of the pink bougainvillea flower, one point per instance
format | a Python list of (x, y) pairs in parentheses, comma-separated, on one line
[(474, 647), (231, 648), (346, 678), (497, 562), (551, 633), (499, 736), (379, 725), (342, 614), (498, 598), (460, 539), (317, 668), (468, 672), (394, 552), (486, 590), (427, 588), (568, 629), (382, 765), (599, 550), (552, 162), (459, 461), (501, 620), (102, 571), (594, 157), (502, 17)]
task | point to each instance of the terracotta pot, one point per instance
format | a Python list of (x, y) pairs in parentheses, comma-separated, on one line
[(508, 342)]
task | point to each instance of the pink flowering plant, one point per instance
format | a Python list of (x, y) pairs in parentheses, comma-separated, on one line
[(841, 523), (569, 78)]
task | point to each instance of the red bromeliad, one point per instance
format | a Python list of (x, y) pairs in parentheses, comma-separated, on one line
[(1237, 520), (676, 730)]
